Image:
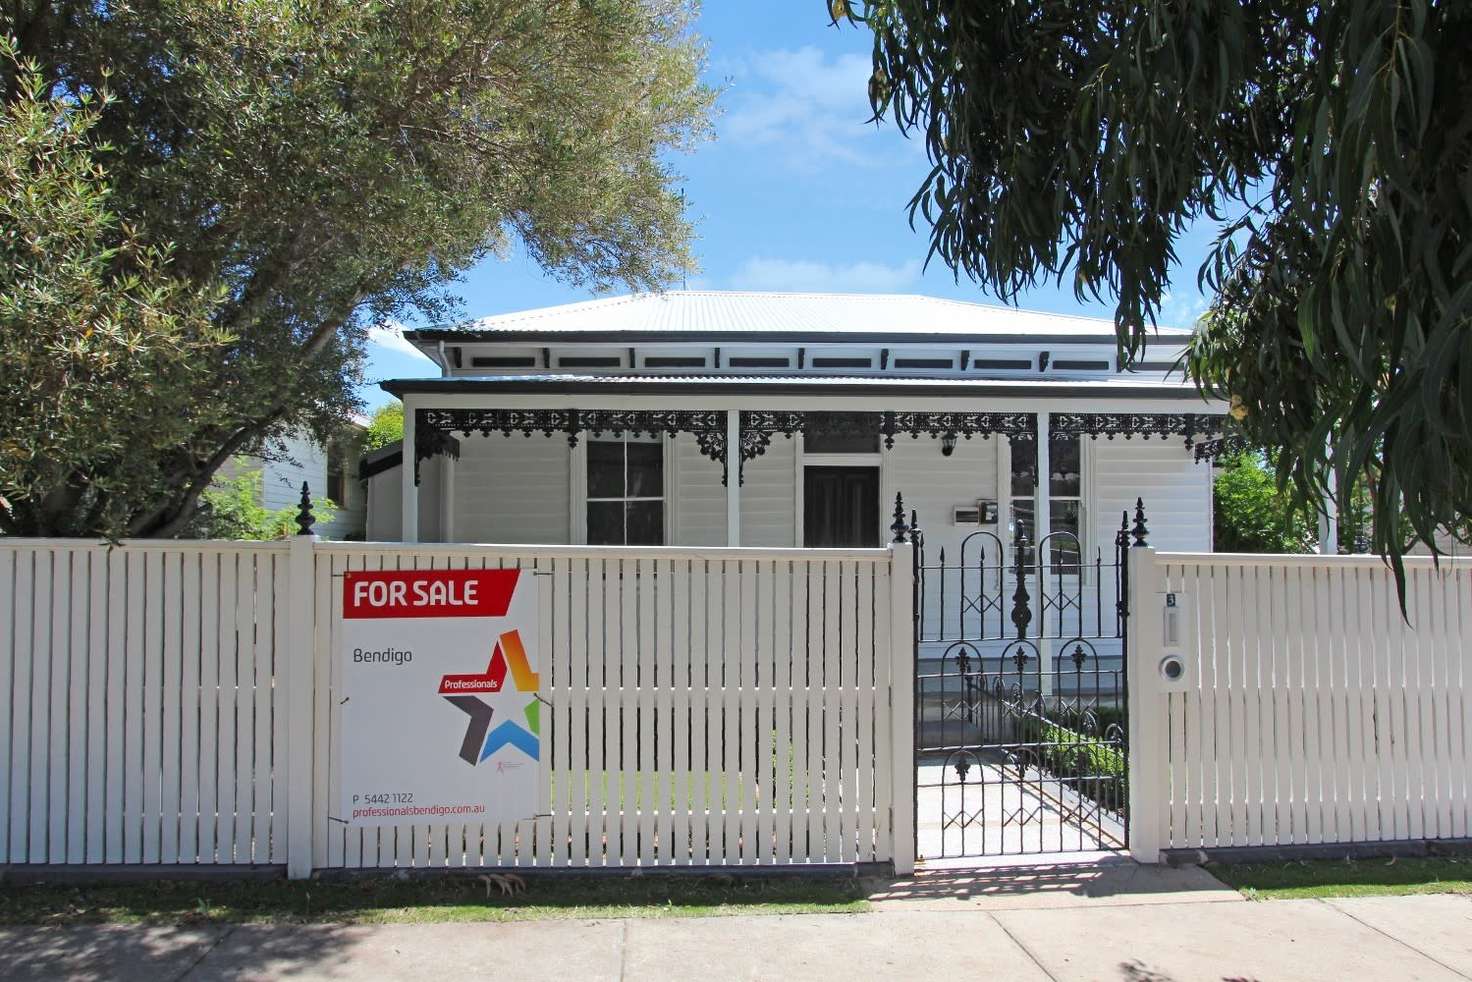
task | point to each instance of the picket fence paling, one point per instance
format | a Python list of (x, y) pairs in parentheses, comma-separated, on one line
[(1311, 710), (137, 703), (173, 702)]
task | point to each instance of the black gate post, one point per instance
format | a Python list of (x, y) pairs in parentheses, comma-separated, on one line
[(1122, 578)]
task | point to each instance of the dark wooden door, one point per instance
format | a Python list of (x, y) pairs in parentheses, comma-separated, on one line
[(840, 507)]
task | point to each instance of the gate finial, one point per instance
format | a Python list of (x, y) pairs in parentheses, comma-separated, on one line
[(1021, 611), (1140, 531), (898, 526)]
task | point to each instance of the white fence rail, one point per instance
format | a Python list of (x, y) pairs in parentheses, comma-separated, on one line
[(176, 703), (1308, 710)]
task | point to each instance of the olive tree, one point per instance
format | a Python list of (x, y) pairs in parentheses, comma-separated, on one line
[(311, 168)]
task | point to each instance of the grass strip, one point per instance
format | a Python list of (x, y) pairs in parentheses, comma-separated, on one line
[(386, 900), (1347, 877)]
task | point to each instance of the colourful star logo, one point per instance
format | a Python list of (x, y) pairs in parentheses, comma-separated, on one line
[(481, 741)]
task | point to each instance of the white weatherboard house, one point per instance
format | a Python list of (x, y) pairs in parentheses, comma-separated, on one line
[(289, 461), (609, 422)]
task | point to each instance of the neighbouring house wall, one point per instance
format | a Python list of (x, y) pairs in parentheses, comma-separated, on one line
[(1176, 491), (386, 497), (512, 489), (350, 517), (294, 460)]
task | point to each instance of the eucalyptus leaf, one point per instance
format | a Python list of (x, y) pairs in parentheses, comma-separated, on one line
[(1332, 143)]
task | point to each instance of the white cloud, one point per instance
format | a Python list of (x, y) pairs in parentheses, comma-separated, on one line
[(759, 273), (1181, 310), (810, 108), (390, 337)]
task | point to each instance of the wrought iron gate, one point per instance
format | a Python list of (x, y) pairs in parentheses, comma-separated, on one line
[(1020, 694)]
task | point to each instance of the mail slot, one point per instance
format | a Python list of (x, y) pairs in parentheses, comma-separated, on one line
[(1179, 640)]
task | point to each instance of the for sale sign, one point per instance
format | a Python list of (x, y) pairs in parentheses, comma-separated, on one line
[(441, 718)]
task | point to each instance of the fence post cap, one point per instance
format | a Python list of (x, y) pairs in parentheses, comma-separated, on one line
[(1140, 531), (898, 526), (304, 519)]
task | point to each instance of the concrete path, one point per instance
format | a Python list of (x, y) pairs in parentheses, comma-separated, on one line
[(1111, 921), (995, 813)]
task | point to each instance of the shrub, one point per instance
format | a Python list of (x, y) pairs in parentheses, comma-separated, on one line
[(231, 509), (1100, 770), (386, 426), (1252, 514)]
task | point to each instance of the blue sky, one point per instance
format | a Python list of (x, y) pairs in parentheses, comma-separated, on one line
[(796, 192)]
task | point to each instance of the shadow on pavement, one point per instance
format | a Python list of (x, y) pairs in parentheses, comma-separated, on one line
[(150, 953), (1052, 883)]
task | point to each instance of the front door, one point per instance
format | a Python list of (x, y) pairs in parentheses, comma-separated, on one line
[(840, 507)]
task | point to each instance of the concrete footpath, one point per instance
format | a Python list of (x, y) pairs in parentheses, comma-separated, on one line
[(1101, 921)]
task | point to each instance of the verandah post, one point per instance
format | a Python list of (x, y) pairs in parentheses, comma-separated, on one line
[(300, 656), (1042, 528), (733, 477), (409, 475)]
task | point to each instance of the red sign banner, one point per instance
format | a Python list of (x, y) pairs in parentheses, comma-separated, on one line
[(428, 593)]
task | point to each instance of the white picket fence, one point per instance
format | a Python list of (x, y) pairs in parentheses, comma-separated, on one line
[(1308, 709), (176, 703), (138, 711)]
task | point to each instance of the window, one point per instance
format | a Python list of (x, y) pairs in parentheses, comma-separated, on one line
[(337, 476), (1065, 491), (626, 492), (841, 433)]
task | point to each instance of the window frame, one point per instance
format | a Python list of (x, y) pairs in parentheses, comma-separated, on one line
[(582, 477), (335, 472), (1080, 499)]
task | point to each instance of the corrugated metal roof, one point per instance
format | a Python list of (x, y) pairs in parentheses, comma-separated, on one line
[(704, 311), (812, 384)]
